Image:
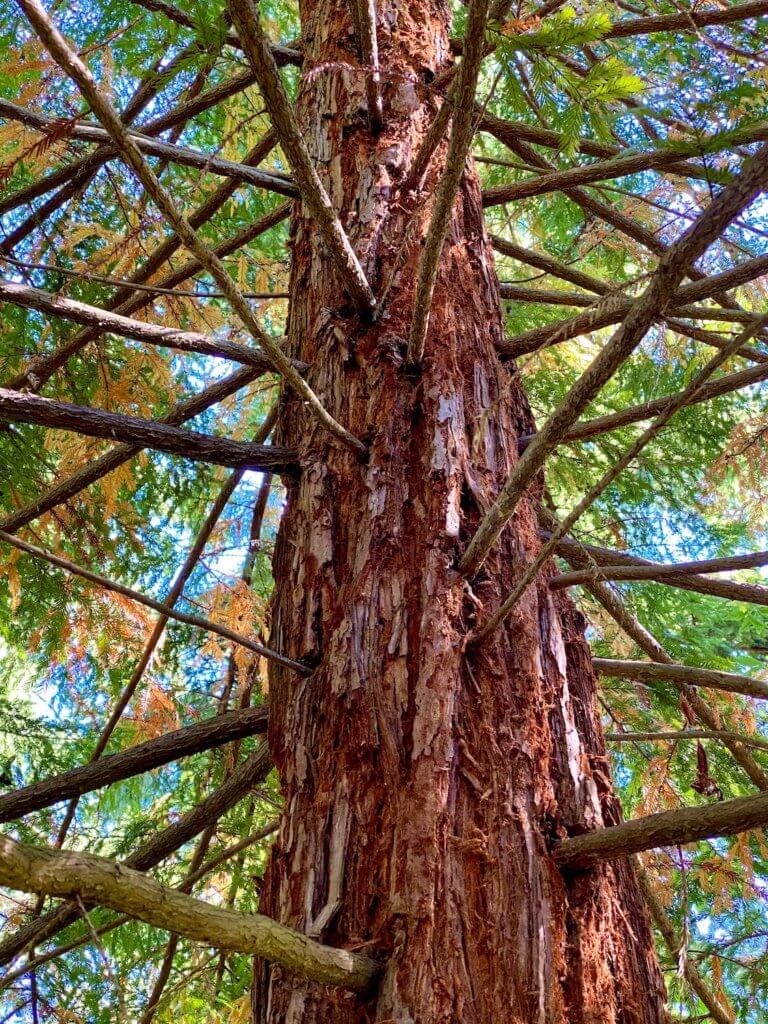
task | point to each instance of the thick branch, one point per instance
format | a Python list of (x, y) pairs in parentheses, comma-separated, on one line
[(19, 407), (668, 828), (154, 850), (668, 276), (649, 672), (164, 609), (144, 757), (688, 21), (61, 873), (311, 189)]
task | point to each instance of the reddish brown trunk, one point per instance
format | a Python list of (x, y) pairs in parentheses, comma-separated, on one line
[(424, 785)]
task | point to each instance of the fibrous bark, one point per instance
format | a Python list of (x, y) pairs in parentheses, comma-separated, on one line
[(424, 788)]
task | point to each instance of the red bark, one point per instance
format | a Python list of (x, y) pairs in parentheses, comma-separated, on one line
[(423, 785)]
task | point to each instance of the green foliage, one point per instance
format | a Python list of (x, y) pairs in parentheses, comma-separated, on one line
[(67, 651)]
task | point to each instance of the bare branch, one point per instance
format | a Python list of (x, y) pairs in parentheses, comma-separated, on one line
[(39, 370), (458, 147), (627, 622), (144, 757), (138, 330), (676, 735), (674, 944), (668, 276), (655, 570), (174, 593), (118, 456), (748, 592), (71, 63), (610, 475), (171, 613), (668, 828), (312, 191), (650, 671), (20, 407), (60, 873), (636, 413), (273, 182), (687, 21)]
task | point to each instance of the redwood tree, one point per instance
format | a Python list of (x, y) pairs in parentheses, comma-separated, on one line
[(434, 715)]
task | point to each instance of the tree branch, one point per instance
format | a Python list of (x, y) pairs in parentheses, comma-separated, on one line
[(668, 828), (153, 851), (668, 276), (144, 757), (60, 873), (126, 300), (676, 735), (71, 63), (688, 21), (649, 672), (137, 330), (121, 454), (636, 632), (674, 945), (657, 571), (20, 407), (134, 595), (724, 385), (747, 592), (273, 182)]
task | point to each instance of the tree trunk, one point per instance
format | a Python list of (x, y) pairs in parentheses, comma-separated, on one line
[(424, 786)]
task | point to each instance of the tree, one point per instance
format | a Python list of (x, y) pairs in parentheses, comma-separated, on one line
[(451, 843)]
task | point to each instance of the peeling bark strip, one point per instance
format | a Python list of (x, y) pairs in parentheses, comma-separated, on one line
[(143, 757), (668, 828), (422, 787)]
